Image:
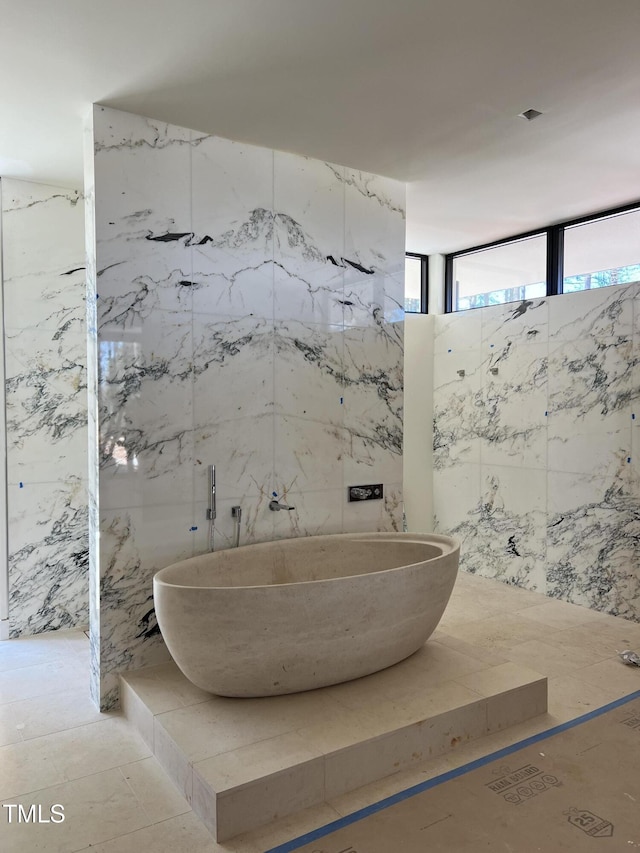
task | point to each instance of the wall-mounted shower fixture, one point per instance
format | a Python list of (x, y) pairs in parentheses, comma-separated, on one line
[(211, 512), (493, 370), (236, 513), (275, 506), (366, 493), (461, 373)]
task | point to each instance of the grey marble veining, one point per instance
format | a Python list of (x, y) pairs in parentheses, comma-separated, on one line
[(49, 557), (373, 389), (513, 420), (388, 195), (458, 408), (593, 534), (46, 406), (516, 323), (605, 312), (593, 381), (536, 464), (46, 403), (248, 311)]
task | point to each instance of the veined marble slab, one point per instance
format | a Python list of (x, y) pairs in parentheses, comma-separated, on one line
[(46, 405), (248, 313), (536, 465)]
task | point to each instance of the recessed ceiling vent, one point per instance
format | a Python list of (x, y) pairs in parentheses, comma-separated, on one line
[(530, 114)]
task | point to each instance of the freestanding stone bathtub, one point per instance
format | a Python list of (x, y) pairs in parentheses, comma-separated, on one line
[(296, 614)]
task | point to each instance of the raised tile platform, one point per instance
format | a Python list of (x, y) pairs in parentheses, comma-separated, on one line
[(242, 763)]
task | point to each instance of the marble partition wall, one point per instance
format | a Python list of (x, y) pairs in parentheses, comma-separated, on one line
[(536, 450), (247, 312), (46, 406)]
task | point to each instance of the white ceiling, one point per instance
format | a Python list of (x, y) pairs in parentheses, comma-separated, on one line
[(426, 91)]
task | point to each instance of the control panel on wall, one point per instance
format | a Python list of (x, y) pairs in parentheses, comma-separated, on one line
[(366, 493)]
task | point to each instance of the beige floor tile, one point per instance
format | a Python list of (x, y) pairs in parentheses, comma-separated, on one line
[(243, 809), (361, 693), (9, 728), (463, 719), (181, 834), (187, 693), (50, 640), (499, 679), (138, 714), (614, 622), (374, 759), (157, 696), (434, 663), (26, 767), (89, 749), (467, 582), (18, 654), (516, 706), (173, 761), (486, 746), (561, 614), (285, 829), (41, 679), (76, 638), (96, 808), (235, 769), (497, 594), (510, 599), (467, 609), (354, 726), (153, 789), (499, 633), (624, 629), (602, 641), (302, 709), (411, 706), (446, 731), (548, 658), (487, 656), (374, 792), (570, 697), (35, 717), (481, 747), (611, 674), (164, 688), (83, 657), (69, 754), (221, 725), (622, 632), (441, 661)]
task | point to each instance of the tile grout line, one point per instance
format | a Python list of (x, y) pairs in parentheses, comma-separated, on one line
[(135, 796)]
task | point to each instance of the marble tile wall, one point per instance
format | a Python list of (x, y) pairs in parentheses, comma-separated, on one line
[(536, 450), (248, 313), (46, 406)]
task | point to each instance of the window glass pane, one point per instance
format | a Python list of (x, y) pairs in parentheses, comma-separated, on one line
[(601, 253), (412, 284), (507, 273)]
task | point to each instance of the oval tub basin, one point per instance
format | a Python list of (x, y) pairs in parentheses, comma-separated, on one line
[(297, 614)]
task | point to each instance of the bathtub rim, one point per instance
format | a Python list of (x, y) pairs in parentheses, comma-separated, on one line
[(373, 536)]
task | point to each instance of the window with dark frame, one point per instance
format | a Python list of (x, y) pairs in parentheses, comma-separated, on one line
[(416, 283), (599, 250)]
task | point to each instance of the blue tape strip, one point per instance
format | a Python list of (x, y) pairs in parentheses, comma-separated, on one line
[(347, 820)]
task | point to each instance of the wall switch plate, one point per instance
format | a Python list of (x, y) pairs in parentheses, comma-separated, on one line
[(366, 493)]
